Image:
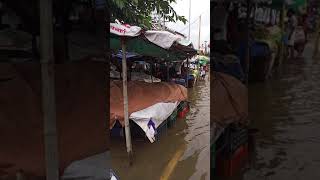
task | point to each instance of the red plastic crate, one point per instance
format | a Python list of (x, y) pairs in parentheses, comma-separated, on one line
[(227, 167), (184, 112)]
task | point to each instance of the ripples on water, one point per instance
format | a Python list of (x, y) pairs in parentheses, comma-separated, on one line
[(190, 135), (198, 131), (286, 110)]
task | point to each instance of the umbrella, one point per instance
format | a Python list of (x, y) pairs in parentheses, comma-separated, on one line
[(203, 60)]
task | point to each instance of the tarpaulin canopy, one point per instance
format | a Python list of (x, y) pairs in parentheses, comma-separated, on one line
[(158, 44), (230, 99), (277, 4), (151, 93)]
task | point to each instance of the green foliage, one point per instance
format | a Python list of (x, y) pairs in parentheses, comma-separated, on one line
[(139, 11)]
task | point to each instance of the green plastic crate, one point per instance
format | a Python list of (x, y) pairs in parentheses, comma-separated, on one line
[(173, 118), (181, 106)]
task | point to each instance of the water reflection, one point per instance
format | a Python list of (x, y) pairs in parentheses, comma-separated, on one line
[(185, 146), (286, 112)]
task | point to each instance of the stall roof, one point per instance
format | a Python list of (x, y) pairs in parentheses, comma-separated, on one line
[(271, 3), (158, 44)]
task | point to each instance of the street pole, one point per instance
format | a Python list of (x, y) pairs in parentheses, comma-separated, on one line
[(48, 90), (125, 102), (205, 47), (189, 19), (199, 31)]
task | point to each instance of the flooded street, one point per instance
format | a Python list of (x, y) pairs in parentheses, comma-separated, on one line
[(181, 153), (285, 110)]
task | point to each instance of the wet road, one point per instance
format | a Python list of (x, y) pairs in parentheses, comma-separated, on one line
[(182, 153), (286, 110)]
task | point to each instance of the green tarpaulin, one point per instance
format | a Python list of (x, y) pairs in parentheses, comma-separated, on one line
[(144, 47)]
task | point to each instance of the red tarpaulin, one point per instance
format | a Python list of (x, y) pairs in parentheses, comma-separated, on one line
[(142, 95)]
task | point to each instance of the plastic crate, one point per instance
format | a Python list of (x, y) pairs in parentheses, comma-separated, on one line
[(136, 131), (238, 137), (162, 129), (181, 106), (227, 167), (173, 118)]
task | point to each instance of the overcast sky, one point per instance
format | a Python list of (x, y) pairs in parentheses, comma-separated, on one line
[(198, 7)]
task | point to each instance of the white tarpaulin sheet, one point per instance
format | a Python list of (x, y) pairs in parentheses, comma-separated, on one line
[(163, 39), (139, 76), (158, 112), (124, 30)]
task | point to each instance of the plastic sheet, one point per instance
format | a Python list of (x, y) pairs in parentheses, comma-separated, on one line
[(158, 112)]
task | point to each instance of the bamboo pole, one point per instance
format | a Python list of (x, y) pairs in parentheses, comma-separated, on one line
[(48, 90), (125, 102)]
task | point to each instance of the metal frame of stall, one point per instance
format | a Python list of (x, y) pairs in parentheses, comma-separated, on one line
[(125, 99)]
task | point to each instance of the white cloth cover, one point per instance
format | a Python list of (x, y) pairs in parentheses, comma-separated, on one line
[(158, 112), (139, 76), (163, 39), (124, 30), (91, 168)]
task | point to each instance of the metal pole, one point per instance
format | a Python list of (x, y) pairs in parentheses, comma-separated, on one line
[(125, 101), (48, 90), (199, 31), (189, 18)]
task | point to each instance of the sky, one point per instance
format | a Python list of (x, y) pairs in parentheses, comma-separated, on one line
[(198, 7)]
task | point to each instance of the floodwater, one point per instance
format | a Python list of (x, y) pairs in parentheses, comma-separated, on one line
[(182, 152), (286, 111)]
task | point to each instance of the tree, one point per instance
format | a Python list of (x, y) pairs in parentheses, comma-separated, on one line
[(139, 11)]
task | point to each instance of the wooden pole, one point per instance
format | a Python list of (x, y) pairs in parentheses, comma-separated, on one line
[(48, 90), (125, 101)]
